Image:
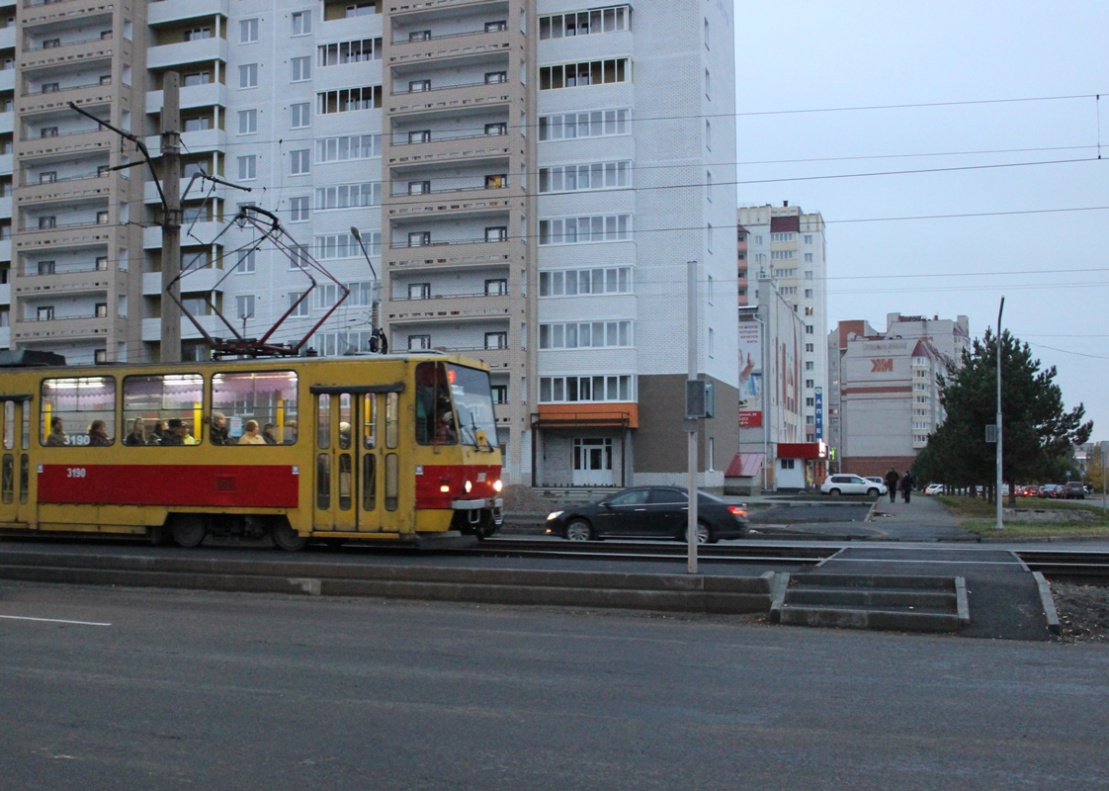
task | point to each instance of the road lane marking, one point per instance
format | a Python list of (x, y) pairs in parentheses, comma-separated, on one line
[(52, 620)]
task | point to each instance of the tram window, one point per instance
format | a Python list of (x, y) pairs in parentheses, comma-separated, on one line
[(7, 487), (392, 482), (435, 424), (26, 426), (344, 482), (155, 401), (263, 396), (344, 421), (323, 421), (24, 476), (9, 425), (369, 418), (392, 414), (369, 482), (72, 406), (323, 481)]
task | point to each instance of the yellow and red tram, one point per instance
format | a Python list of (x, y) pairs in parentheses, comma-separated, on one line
[(386, 447)]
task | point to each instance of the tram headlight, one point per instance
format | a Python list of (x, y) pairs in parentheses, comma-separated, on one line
[(444, 485), (497, 485), (468, 486)]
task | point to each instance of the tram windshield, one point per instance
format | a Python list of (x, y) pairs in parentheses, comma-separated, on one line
[(473, 401)]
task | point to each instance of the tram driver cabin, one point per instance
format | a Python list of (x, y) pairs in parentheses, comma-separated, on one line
[(384, 447)]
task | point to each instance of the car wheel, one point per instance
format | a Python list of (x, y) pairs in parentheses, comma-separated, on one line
[(703, 534), (579, 530), (834, 492), (871, 492)]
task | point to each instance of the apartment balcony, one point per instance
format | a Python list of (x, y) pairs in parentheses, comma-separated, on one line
[(82, 189), (5, 337), (471, 147), (449, 97), (85, 95), (38, 13), (455, 45), (344, 28), (204, 231), (152, 328), (5, 249), (201, 141), (192, 96), (77, 145), (7, 37), (167, 55), (65, 236), (7, 123), (6, 163), (6, 207), (447, 255), (457, 307), (7, 78), (160, 12), (408, 12), (67, 284), (469, 201), (69, 54), (200, 281), (61, 329), (5, 294)]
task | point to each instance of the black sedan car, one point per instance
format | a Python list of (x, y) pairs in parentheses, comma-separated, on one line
[(649, 512)]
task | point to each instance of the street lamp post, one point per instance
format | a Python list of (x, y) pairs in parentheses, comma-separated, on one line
[(1000, 524)]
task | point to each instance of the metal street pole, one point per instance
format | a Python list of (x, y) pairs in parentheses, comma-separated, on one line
[(171, 220), (1000, 524), (377, 283), (691, 423)]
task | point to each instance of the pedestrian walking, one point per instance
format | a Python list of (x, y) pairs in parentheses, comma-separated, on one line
[(892, 479), (907, 486)]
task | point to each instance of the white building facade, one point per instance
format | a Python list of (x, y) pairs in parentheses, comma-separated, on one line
[(520, 193)]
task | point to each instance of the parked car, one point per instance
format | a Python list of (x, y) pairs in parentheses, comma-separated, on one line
[(649, 512), (882, 488), (835, 485), (1074, 490), (1029, 490), (1051, 491), (934, 488)]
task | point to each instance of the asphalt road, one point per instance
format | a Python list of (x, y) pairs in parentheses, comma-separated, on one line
[(155, 689)]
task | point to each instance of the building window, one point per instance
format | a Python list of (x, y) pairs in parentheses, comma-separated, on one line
[(248, 75), (366, 49), (584, 335), (500, 393), (245, 265), (562, 389), (248, 122), (584, 23), (50, 87), (248, 167), (102, 217), (572, 75), (300, 161), (496, 27), (595, 123), (198, 34), (46, 267), (298, 304), (244, 306), (46, 313), (494, 77), (101, 310), (102, 263), (301, 115), (298, 209), (349, 196), (347, 100), (497, 233), (491, 130), (302, 23), (302, 69), (196, 78), (248, 31), (497, 287), (341, 149), (573, 282), (100, 356), (419, 238), (496, 340), (420, 35), (419, 290), (419, 342), (48, 222), (419, 187), (419, 86), (585, 177), (576, 230), (48, 177), (48, 131)]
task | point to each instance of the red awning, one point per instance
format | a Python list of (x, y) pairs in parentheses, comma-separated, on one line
[(799, 450), (745, 465)]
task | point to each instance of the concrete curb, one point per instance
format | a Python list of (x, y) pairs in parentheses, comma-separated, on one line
[(660, 592), (1048, 602)]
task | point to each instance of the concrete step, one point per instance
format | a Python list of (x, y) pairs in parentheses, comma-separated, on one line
[(903, 603)]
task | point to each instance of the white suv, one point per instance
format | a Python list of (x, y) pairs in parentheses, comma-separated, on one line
[(836, 485)]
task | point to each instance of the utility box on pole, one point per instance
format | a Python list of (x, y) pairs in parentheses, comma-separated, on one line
[(700, 399)]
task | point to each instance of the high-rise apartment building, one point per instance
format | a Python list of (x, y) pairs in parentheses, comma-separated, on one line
[(491, 177), (787, 246)]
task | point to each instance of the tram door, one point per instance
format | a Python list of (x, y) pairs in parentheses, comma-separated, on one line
[(15, 472), (348, 469)]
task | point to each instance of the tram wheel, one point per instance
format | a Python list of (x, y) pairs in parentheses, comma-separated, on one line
[(160, 535), (286, 538), (579, 530), (189, 531)]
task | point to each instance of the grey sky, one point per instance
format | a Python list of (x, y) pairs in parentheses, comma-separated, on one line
[(1051, 266)]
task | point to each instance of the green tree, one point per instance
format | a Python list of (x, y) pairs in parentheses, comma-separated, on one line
[(1038, 434)]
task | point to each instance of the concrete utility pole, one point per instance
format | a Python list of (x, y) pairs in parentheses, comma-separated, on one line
[(691, 422), (1000, 524), (171, 220)]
